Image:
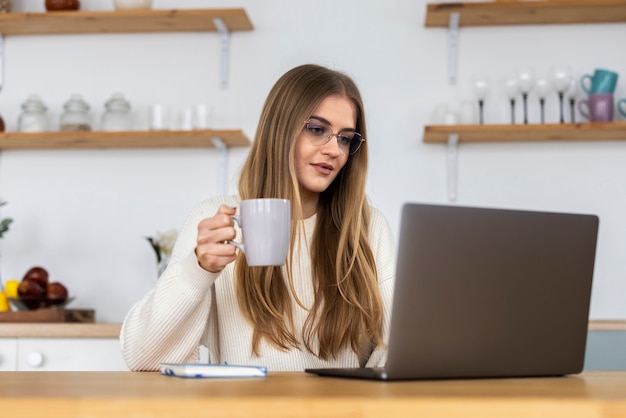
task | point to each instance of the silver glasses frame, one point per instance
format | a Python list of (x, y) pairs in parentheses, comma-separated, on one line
[(330, 136)]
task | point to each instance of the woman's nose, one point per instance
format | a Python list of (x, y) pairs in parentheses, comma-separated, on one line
[(332, 146)]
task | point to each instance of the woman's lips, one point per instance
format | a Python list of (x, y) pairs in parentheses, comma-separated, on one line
[(323, 168)]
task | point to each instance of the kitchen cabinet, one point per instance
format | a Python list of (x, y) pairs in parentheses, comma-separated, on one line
[(8, 354), (70, 354), (606, 345), (61, 354), (60, 347)]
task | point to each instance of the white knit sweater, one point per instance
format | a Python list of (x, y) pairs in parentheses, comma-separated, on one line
[(189, 307)]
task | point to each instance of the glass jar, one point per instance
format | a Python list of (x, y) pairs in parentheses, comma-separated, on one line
[(33, 117), (116, 116), (76, 115)]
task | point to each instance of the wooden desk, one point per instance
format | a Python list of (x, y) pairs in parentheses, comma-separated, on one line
[(127, 394)]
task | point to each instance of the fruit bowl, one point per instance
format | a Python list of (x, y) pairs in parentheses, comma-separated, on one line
[(24, 303)]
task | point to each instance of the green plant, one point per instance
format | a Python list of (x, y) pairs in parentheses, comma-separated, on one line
[(4, 223)]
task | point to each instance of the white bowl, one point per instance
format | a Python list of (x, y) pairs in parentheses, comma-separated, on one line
[(132, 4)]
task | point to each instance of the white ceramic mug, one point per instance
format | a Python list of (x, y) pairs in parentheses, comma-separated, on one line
[(265, 226), (132, 4), (159, 118)]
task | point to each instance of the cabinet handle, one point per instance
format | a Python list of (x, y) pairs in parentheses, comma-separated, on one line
[(35, 359)]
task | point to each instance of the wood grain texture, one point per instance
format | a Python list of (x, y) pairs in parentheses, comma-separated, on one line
[(104, 330), (107, 394), (122, 21), (532, 132), (60, 330), (490, 13), (130, 139), (50, 315)]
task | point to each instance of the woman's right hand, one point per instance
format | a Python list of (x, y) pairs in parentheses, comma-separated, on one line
[(212, 250)]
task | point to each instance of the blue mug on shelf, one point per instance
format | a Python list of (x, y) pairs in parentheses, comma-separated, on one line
[(602, 81)]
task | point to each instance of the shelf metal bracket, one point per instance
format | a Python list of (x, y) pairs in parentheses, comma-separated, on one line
[(453, 162), (225, 49), (222, 178), (1, 60), (453, 46)]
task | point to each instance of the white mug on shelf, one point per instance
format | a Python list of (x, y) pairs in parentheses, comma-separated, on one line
[(132, 4), (201, 116), (159, 118)]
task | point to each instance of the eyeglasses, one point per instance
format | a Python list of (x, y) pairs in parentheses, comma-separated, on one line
[(320, 133)]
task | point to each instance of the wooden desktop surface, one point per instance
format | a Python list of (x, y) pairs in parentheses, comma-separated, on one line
[(128, 394)]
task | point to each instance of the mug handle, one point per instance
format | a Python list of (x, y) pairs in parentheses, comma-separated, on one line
[(239, 245), (583, 108), (583, 85), (621, 106)]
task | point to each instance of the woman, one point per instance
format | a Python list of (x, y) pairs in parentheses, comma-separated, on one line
[(329, 305)]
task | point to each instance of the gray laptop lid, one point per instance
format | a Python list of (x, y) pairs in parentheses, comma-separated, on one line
[(490, 293)]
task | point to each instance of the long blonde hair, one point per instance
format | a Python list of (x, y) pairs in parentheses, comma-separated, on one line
[(347, 309)]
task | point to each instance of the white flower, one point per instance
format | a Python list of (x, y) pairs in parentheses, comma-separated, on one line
[(163, 243), (165, 240)]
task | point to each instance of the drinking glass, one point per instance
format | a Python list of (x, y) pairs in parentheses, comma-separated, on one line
[(572, 92), (511, 88), (526, 78), (561, 80), (481, 89), (541, 90)]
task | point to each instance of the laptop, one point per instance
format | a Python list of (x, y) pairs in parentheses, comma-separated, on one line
[(487, 293)]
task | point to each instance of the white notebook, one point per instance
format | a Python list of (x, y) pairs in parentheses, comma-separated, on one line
[(200, 370)]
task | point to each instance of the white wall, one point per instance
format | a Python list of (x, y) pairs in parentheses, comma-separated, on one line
[(84, 214)]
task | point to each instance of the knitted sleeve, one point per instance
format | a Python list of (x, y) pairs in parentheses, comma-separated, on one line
[(167, 324)]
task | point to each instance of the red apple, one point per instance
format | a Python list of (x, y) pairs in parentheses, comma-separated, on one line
[(39, 275), (31, 294), (56, 293)]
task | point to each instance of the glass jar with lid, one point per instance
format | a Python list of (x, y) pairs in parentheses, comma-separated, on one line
[(33, 117), (75, 116), (117, 116)]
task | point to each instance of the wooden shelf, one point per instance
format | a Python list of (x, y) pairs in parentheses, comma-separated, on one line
[(122, 21), (117, 140), (494, 13), (530, 133), (607, 325)]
